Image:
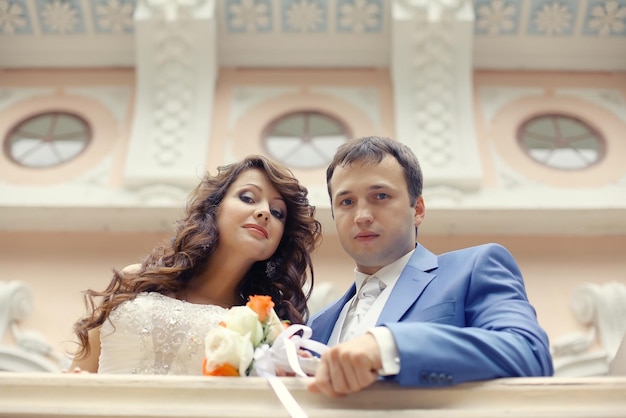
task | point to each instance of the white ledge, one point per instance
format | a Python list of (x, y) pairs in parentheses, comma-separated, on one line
[(91, 395), (444, 221)]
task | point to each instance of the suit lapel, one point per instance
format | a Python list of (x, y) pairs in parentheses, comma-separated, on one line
[(412, 281), (322, 325)]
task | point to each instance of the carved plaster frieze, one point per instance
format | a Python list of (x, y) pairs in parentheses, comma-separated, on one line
[(433, 87), (432, 76), (176, 71), (173, 93)]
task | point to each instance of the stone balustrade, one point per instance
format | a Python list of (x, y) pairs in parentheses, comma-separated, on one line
[(54, 395)]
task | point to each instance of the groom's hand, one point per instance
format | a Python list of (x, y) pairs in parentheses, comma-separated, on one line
[(348, 367)]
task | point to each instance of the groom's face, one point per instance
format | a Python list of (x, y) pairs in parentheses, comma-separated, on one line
[(373, 215)]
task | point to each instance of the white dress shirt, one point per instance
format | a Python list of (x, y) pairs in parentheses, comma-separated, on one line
[(345, 325)]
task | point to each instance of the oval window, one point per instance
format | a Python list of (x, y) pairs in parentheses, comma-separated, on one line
[(305, 139), (47, 139), (561, 142)]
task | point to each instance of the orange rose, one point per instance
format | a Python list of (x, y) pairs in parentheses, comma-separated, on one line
[(222, 370), (261, 305)]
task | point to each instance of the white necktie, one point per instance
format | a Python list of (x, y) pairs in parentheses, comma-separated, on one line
[(365, 298)]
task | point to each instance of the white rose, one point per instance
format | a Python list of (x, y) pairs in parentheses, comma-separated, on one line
[(224, 346), (274, 327), (244, 320)]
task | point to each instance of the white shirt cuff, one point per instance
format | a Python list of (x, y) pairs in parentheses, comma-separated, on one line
[(388, 351)]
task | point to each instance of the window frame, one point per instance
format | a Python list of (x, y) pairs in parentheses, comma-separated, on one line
[(593, 131), (8, 140), (269, 127)]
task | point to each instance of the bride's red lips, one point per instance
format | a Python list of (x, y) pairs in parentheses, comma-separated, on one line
[(258, 228)]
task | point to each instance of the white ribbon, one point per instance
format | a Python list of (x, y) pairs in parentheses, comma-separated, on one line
[(284, 396), (283, 355)]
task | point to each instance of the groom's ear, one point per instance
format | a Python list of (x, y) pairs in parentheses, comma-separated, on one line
[(420, 211)]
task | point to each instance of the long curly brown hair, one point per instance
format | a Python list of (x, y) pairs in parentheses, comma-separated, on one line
[(174, 262)]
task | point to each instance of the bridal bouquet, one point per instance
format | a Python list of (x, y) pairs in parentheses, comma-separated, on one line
[(252, 341), (230, 347)]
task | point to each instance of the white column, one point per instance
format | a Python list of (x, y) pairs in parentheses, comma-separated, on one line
[(432, 70), (176, 72)]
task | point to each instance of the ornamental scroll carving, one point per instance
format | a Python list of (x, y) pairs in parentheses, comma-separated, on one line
[(602, 308), (28, 350)]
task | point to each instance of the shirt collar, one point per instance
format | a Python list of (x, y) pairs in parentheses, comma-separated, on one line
[(388, 274)]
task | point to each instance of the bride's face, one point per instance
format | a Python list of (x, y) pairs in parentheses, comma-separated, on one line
[(251, 218)]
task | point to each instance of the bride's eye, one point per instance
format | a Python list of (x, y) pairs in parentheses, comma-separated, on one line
[(246, 197), (277, 213)]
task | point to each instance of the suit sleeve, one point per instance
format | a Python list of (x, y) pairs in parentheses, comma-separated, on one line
[(501, 337)]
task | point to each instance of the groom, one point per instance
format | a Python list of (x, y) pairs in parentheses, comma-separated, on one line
[(414, 317)]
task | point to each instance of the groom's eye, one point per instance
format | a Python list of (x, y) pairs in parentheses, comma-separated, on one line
[(346, 202)]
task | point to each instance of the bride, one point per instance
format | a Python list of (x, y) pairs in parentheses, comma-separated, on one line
[(247, 230)]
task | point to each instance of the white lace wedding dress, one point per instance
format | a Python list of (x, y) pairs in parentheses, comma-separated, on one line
[(156, 334)]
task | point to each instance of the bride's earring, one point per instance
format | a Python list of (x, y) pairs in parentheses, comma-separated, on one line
[(270, 269)]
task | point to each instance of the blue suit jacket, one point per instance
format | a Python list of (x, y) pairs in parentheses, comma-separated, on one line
[(457, 317)]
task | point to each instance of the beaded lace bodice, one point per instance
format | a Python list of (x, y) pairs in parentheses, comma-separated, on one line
[(156, 334)]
